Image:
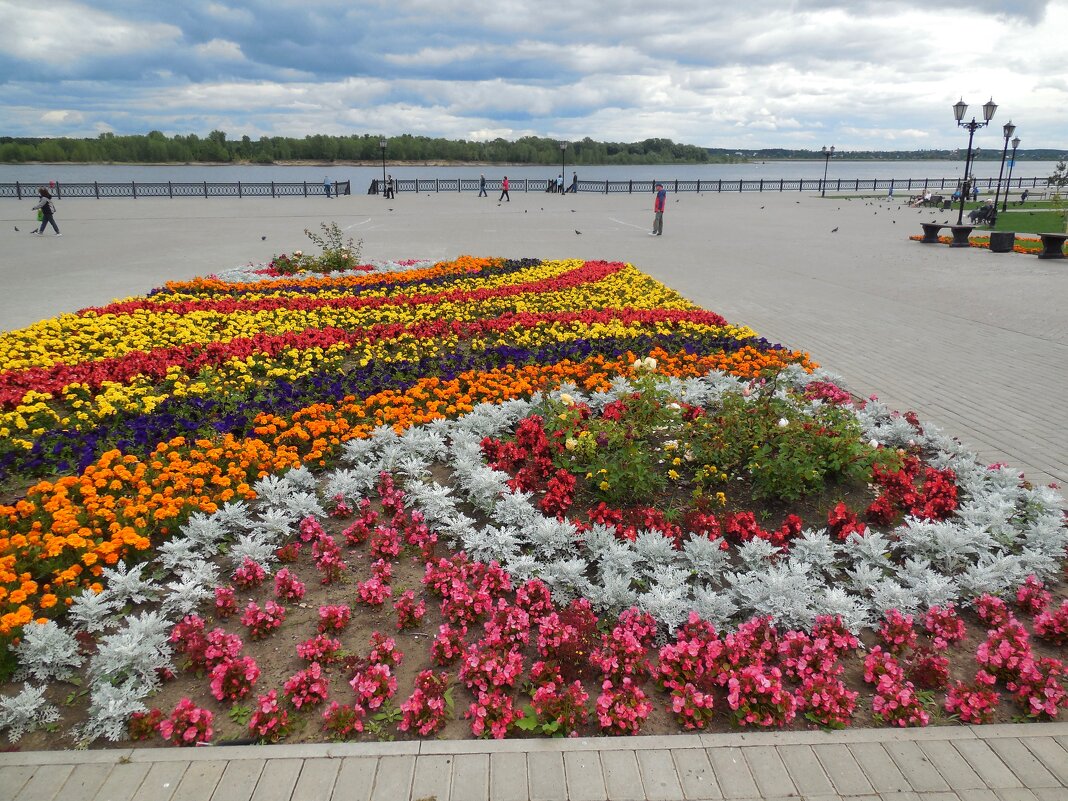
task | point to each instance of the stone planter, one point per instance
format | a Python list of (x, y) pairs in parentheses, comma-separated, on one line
[(1002, 241), (960, 235)]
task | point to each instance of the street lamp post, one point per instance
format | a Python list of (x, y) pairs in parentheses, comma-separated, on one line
[(382, 144), (563, 168), (827, 153), (1012, 163), (959, 108), (1008, 129)]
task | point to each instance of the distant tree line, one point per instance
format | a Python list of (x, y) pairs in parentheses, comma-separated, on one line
[(983, 154), (216, 148)]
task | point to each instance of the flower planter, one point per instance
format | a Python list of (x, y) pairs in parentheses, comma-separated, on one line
[(960, 235), (1052, 246), (1002, 241), (930, 232)]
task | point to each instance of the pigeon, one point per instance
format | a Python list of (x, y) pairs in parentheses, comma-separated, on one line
[(391, 209), (761, 208), (263, 239), (577, 231), (572, 211), (834, 230), (16, 228)]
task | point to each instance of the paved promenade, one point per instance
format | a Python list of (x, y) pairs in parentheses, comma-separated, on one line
[(985, 763), (973, 341)]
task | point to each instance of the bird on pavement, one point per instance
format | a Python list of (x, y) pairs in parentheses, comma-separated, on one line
[(263, 239), (16, 228), (834, 230), (577, 231)]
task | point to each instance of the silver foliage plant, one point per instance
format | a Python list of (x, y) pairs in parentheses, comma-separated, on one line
[(25, 712)]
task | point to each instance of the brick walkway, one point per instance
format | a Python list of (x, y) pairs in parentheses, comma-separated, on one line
[(1027, 762)]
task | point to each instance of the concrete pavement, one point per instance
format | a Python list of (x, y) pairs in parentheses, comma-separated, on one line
[(1027, 762)]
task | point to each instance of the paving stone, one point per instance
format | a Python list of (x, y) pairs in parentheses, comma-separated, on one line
[(238, 781), (1049, 794), (12, 779), (356, 778), (470, 777), (433, 777), (846, 775), (545, 776), (987, 764), (732, 773), (1050, 754), (953, 767), (85, 780), (922, 776), (658, 776), (1017, 794), (805, 770), (123, 781), (768, 771), (199, 780), (161, 781), (44, 784), (695, 774), (316, 780), (1023, 763), (277, 780), (508, 777), (622, 779), (585, 780), (977, 795), (879, 767), (393, 778)]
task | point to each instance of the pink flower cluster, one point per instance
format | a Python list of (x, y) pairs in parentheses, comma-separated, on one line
[(565, 705), (897, 632), (333, 618), (249, 575), (492, 713), (622, 709), (233, 679), (1053, 626), (426, 710), (319, 648), (758, 698), (269, 720), (973, 703), (448, 645), (225, 602), (287, 587), (944, 626), (1032, 597), (342, 721), (307, 687), (261, 622), (409, 613), (188, 724)]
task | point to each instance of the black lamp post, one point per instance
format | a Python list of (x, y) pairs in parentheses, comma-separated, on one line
[(1008, 129), (382, 144), (1012, 163), (563, 168), (827, 153), (959, 108)]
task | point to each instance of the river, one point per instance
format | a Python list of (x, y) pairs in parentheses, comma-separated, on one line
[(361, 176)]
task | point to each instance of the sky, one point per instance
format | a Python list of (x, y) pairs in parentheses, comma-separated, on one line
[(856, 74)]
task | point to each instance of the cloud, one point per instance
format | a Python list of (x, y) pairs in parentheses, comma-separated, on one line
[(788, 73)]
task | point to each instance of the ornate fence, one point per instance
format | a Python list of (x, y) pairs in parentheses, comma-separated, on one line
[(207, 189), (172, 189)]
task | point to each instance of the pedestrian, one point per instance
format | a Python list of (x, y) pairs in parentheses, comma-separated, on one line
[(975, 191), (504, 191), (326, 185), (658, 211), (574, 182), (1023, 197), (482, 186), (389, 187), (47, 210), (890, 192)]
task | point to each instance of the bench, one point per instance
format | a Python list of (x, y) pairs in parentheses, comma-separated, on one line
[(960, 235), (1052, 246), (930, 232)]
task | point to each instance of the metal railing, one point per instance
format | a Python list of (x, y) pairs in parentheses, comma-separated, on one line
[(206, 189), (137, 189)]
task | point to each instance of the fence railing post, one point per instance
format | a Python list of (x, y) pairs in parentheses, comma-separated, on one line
[(761, 184), (630, 187), (96, 190), (133, 187), (170, 190), (239, 189), (205, 189), (305, 189)]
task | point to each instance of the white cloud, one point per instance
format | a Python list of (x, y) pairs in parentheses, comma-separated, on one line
[(220, 48)]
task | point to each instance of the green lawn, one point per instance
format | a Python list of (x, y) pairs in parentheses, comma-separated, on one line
[(1030, 222)]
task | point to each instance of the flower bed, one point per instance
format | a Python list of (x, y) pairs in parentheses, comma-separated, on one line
[(1020, 245), (576, 502)]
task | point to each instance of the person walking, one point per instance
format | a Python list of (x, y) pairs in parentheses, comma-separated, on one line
[(504, 191), (975, 191), (658, 211), (482, 186), (389, 188), (574, 183), (326, 186), (48, 210)]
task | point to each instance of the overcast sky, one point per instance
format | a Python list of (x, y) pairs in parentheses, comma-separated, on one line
[(757, 73)]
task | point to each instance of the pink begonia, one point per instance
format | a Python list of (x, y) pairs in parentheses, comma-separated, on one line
[(225, 601), (249, 574), (409, 613), (262, 622), (342, 721), (484, 669), (448, 645), (373, 592), (1039, 689), (307, 687), (1032, 596), (1053, 626), (943, 624), (562, 704), (287, 587), (373, 685), (233, 679), (385, 543), (824, 699), (426, 710), (879, 663), (973, 703), (693, 708), (492, 713), (269, 721), (220, 647), (384, 650), (758, 698), (187, 724), (534, 598), (992, 611), (897, 632), (1005, 650), (327, 557), (334, 618), (897, 704), (622, 709), (319, 648), (311, 530)]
